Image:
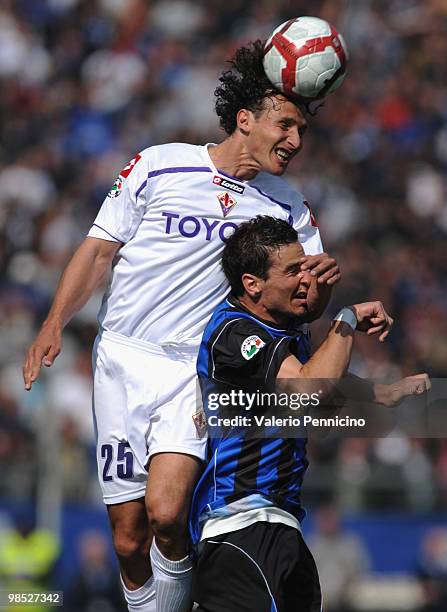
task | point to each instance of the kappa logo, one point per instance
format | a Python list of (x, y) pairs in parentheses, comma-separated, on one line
[(251, 346), (226, 184), (227, 202)]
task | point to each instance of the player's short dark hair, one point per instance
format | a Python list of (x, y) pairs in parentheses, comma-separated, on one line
[(248, 249), (244, 85)]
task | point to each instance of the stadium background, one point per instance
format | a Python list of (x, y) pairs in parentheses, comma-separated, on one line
[(86, 84)]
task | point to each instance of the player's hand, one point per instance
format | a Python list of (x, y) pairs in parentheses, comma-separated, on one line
[(324, 267), (372, 318), (43, 351), (391, 395)]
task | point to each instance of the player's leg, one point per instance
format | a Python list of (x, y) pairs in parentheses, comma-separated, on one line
[(132, 541), (171, 481), (121, 424), (302, 582), (176, 451)]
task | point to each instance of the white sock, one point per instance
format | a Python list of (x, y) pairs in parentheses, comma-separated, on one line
[(142, 599), (172, 582)]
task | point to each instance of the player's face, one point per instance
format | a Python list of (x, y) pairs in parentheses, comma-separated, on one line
[(285, 292), (275, 135)]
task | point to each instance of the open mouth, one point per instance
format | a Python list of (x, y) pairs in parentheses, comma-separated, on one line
[(300, 298), (283, 155)]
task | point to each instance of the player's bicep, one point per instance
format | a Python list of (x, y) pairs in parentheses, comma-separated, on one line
[(103, 251), (290, 378), (290, 367)]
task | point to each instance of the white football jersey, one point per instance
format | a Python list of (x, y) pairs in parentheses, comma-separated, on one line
[(172, 210)]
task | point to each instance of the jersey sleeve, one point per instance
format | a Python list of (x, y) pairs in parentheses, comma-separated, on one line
[(125, 204), (245, 355), (305, 224)]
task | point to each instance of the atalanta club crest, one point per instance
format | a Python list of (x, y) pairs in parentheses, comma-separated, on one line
[(227, 202)]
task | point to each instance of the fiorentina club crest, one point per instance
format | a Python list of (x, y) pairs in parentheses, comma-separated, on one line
[(199, 419), (226, 202)]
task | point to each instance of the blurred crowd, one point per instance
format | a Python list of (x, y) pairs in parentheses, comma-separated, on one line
[(87, 83)]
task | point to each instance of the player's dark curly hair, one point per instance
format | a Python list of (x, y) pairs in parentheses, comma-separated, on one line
[(248, 249), (245, 85)]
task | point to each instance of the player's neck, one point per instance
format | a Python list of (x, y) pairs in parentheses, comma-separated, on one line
[(231, 157), (261, 312)]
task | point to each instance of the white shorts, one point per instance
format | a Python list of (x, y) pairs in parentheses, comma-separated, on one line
[(144, 401)]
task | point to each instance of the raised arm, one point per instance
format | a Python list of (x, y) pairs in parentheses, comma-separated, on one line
[(84, 273), (332, 358)]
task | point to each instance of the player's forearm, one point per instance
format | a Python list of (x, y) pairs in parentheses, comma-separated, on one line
[(329, 362), (332, 358), (362, 389), (84, 273)]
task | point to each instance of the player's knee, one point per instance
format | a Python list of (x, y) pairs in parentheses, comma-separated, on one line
[(130, 545), (167, 522)]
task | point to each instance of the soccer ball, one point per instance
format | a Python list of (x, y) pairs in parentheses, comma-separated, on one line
[(305, 58)]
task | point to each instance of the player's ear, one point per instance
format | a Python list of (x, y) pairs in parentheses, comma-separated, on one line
[(253, 285), (244, 120)]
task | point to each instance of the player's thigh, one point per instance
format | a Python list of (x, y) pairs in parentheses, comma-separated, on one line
[(300, 590), (171, 481), (230, 576), (261, 568), (144, 407), (176, 428), (123, 392)]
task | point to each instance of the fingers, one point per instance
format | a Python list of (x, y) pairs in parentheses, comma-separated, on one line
[(406, 387), (330, 278), (420, 383), (36, 357), (380, 322), (307, 262), (426, 380), (51, 355), (385, 334), (31, 367), (384, 329), (317, 264), (322, 266)]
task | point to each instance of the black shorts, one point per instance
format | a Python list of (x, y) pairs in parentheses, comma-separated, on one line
[(266, 567)]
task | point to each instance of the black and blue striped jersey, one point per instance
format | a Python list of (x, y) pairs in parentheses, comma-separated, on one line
[(242, 352)]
